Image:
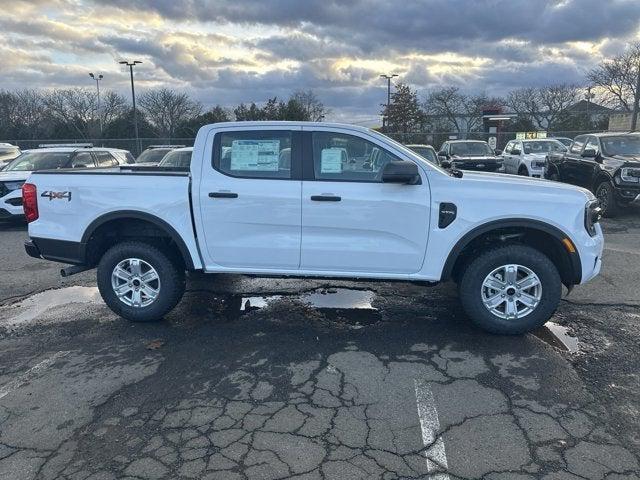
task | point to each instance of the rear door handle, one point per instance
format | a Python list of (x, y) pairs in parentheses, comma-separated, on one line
[(325, 198), (222, 195)]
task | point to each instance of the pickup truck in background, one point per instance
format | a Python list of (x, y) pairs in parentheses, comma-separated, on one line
[(608, 164), (317, 200), (469, 155)]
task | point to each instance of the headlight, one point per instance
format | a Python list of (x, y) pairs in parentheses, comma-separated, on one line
[(592, 215), (631, 175), (11, 186)]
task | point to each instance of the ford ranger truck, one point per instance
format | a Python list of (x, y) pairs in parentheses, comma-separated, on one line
[(297, 199)]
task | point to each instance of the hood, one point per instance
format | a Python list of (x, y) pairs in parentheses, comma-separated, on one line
[(14, 176), (630, 160), (529, 185)]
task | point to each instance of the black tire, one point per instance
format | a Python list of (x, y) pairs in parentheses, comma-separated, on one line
[(171, 278), (470, 289), (523, 171), (605, 195)]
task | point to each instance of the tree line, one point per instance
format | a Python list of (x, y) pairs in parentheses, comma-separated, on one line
[(612, 84), (77, 113)]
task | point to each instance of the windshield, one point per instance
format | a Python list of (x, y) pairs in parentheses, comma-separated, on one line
[(177, 158), (565, 141), (426, 152), (621, 145), (543, 147), (470, 149), (152, 155), (32, 161)]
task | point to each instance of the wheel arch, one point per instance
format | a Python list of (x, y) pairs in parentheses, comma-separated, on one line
[(122, 216), (547, 238), (599, 177)]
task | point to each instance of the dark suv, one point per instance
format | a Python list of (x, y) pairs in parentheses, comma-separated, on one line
[(469, 155), (608, 164)]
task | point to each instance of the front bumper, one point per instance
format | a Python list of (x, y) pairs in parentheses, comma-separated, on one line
[(591, 249)]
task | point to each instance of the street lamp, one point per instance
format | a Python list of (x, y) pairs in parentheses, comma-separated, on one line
[(388, 77), (97, 79), (131, 64)]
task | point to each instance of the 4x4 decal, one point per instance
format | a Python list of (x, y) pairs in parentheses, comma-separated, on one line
[(51, 195)]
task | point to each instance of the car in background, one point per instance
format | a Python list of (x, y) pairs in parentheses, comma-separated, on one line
[(7, 153), (426, 151), (469, 155), (154, 154), (566, 141), (178, 158), (608, 164), (51, 157), (529, 157)]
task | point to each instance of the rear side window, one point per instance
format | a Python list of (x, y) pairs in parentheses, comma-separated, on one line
[(82, 160), (105, 159), (578, 143), (254, 154)]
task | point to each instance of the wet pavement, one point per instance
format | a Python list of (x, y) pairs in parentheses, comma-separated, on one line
[(269, 378)]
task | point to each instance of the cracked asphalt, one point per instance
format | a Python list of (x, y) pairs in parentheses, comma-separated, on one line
[(226, 390)]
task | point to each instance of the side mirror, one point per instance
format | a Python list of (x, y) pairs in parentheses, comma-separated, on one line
[(515, 151), (497, 152), (445, 163), (589, 153), (401, 171)]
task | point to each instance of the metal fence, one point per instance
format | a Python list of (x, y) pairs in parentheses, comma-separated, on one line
[(436, 139)]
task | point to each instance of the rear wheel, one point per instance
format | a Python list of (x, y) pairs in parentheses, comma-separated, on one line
[(606, 197), (140, 282), (510, 290)]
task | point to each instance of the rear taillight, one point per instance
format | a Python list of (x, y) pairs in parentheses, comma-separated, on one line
[(30, 202)]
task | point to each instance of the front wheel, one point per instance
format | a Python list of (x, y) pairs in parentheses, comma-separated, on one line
[(140, 282), (510, 290), (607, 200)]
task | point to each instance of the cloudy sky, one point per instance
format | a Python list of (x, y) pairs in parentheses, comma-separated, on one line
[(231, 51)]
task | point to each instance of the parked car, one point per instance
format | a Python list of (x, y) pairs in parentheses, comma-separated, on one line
[(47, 158), (253, 203), (529, 157), (469, 155), (179, 158), (154, 154), (608, 164), (566, 141), (425, 151), (7, 153)]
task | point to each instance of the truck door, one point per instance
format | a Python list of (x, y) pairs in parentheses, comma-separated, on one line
[(351, 220), (249, 197), (571, 163), (586, 166)]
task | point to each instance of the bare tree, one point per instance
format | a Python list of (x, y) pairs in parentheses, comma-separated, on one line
[(112, 106), (167, 109), (616, 78), (74, 108), (543, 105), (463, 112), (314, 108)]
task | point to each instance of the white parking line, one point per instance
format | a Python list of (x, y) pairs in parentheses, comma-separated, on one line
[(430, 425), (29, 374)]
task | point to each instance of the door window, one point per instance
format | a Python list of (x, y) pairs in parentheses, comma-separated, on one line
[(105, 159), (347, 158), (592, 143), (82, 160), (254, 154), (578, 143), (509, 147)]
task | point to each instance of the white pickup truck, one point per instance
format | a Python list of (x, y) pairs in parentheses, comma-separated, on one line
[(317, 200)]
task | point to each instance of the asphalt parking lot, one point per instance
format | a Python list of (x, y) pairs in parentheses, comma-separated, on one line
[(262, 379)]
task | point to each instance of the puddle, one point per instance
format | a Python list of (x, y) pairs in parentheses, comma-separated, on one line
[(347, 305), (36, 305), (557, 336)]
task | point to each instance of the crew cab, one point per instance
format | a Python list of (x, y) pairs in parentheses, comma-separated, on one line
[(469, 155), (303, 199), (608, 164), (529, 157), (52, 156)]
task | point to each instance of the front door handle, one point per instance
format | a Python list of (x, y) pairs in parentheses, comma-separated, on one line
[(222, 195), (325, 198)]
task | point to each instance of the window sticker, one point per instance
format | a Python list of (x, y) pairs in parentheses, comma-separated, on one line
[(256, 155), (331, 160)]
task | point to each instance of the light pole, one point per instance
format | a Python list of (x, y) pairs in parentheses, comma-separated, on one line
[(131, 64), (388, 77), (97, 79)]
